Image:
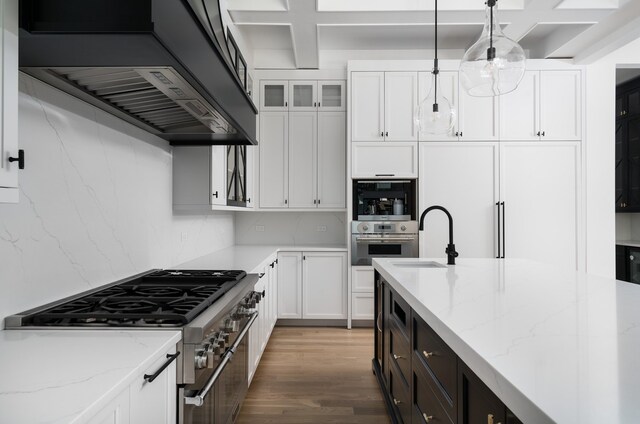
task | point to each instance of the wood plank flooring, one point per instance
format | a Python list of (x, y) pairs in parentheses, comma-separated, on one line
[(315, 375)]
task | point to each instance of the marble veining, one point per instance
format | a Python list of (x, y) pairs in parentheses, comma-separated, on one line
[(95, 204), (555, 346)]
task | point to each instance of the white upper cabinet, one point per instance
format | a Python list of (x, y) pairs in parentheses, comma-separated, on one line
[(478, 117), (367, 106), (9, 104), (303, 96), (331, 96), (251, 167), (545, 106), (449, 87), (383, 106), (274, 96), (520, 110), (561, 105), (219, 175), (274, 163), (384, 160), (302, 159), (400, 103), (332, 168)]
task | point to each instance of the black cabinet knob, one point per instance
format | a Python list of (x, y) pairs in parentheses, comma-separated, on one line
[(19, 159)]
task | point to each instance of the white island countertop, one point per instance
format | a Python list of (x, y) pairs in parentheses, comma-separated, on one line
[(555, 346), (67, 376)]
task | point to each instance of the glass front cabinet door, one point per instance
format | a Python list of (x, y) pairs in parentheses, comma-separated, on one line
[(274, 96), (303, 96), (236, 176), (331, 96)]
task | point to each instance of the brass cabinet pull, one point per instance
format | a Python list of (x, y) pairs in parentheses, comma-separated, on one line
[(426, 417), (396, 402), (396, 357), (490, 420), (427, 354)]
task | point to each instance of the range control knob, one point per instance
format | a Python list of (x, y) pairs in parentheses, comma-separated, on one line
[(227, 327), (201, 359), (403, 228), (224, 337), (365, 228), (235, 325)]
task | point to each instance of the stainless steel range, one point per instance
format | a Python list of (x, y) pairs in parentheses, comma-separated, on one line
[(213, 309)]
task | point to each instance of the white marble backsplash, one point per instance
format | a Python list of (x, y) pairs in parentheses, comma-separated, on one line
[(291, 228), (95, 204)]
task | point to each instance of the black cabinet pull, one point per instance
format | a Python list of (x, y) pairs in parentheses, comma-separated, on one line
[(319, 104), (387, 134), (382, 134), (304, 258), (249, 200), (276, 262), (315, 104), (498, 206), (261, 275), (285, 201), (271, 264), (286, 104), (19, 159), (504, 231), (215, 194), (318, 201), (544, 133), (155, 375), (538, 134), (314, 201), (385, 175)]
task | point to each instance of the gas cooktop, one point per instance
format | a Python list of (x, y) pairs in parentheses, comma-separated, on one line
[(159, 298)]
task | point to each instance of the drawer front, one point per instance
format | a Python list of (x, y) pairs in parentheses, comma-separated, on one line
[(427, 406), (400, 353), (436, 356), (400, 394), (400, 310)]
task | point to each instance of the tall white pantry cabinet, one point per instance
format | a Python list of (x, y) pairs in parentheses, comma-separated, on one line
[(510, 170)]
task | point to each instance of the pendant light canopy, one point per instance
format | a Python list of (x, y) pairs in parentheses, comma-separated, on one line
[(435, 114), (495, 64)]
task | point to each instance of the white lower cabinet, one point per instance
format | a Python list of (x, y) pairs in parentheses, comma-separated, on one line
[(143, 401), (262, 327), (381, 159), (312, 285), (362, 288)]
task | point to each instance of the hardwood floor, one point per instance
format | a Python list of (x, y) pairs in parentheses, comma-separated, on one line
[(315, 375)]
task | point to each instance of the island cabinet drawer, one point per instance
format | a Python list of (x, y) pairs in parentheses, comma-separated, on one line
[(426, 406), (400, 310), (400, 394), (436, 357), (399, 350)]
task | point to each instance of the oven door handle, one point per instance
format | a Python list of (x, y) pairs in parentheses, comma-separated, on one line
[(385, 239), (198, 400)]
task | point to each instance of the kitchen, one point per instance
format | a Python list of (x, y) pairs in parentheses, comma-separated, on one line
[(105, 196)]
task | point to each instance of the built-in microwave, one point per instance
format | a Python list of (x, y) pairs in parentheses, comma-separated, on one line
[(384, 200), (383, 239)]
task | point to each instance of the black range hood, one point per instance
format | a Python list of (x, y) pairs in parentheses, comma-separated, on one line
[(149, 62)]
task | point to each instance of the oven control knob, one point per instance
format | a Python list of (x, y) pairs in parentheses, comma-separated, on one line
[(201, 359), (228, 325), (403, 228), (224, 338), (365, 227)]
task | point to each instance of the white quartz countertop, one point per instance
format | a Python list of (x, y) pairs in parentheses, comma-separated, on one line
[(248, 257), (632, 243), (555, 346), (66, 376)]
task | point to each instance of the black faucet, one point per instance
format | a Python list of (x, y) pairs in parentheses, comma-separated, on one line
[(451, 248)]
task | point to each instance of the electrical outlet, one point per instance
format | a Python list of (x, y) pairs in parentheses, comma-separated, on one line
[(260, 228), (184, 237), (321, 228)]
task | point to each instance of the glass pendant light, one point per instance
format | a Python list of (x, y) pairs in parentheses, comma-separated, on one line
[(495, 64), (435, 114)]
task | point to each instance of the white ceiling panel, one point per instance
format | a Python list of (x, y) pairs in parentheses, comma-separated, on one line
[(390, 37), (588, 4), (262, 5), (268, 36), (404, 5)]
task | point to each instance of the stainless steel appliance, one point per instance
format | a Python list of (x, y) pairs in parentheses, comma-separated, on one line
[(213, 309), (383, 239), (384, 200)]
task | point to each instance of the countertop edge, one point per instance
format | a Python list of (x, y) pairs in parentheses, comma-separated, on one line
[(516, 401)]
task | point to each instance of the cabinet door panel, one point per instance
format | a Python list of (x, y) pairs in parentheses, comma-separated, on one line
[(560, 105), (274, 96), (519, 110), (480, 405), (400, 103), (303, 96), (155, 402), (251, 175), (362, 306), (274, 141), (449, 87), (324, 285), (290, 285), (332, 168), (539, 188), (303, 130), (397, 160), (331, 96), (478, 117), (367, 111), (621, 164), (446, 171), (219, 171), (116, 412), (633, 164)]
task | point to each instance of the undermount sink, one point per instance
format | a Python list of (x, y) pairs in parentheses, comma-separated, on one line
[(427, 264)]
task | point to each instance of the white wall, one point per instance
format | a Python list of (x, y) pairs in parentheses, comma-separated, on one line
[(600, 158), (95, 204), (291, 228)]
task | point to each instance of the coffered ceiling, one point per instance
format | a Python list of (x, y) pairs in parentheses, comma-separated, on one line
[(297, 31)]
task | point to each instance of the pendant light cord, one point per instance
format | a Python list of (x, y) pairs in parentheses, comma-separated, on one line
[(491, 51), (436, 70)]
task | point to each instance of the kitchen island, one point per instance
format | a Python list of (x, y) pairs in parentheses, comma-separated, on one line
[(552, 345)]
